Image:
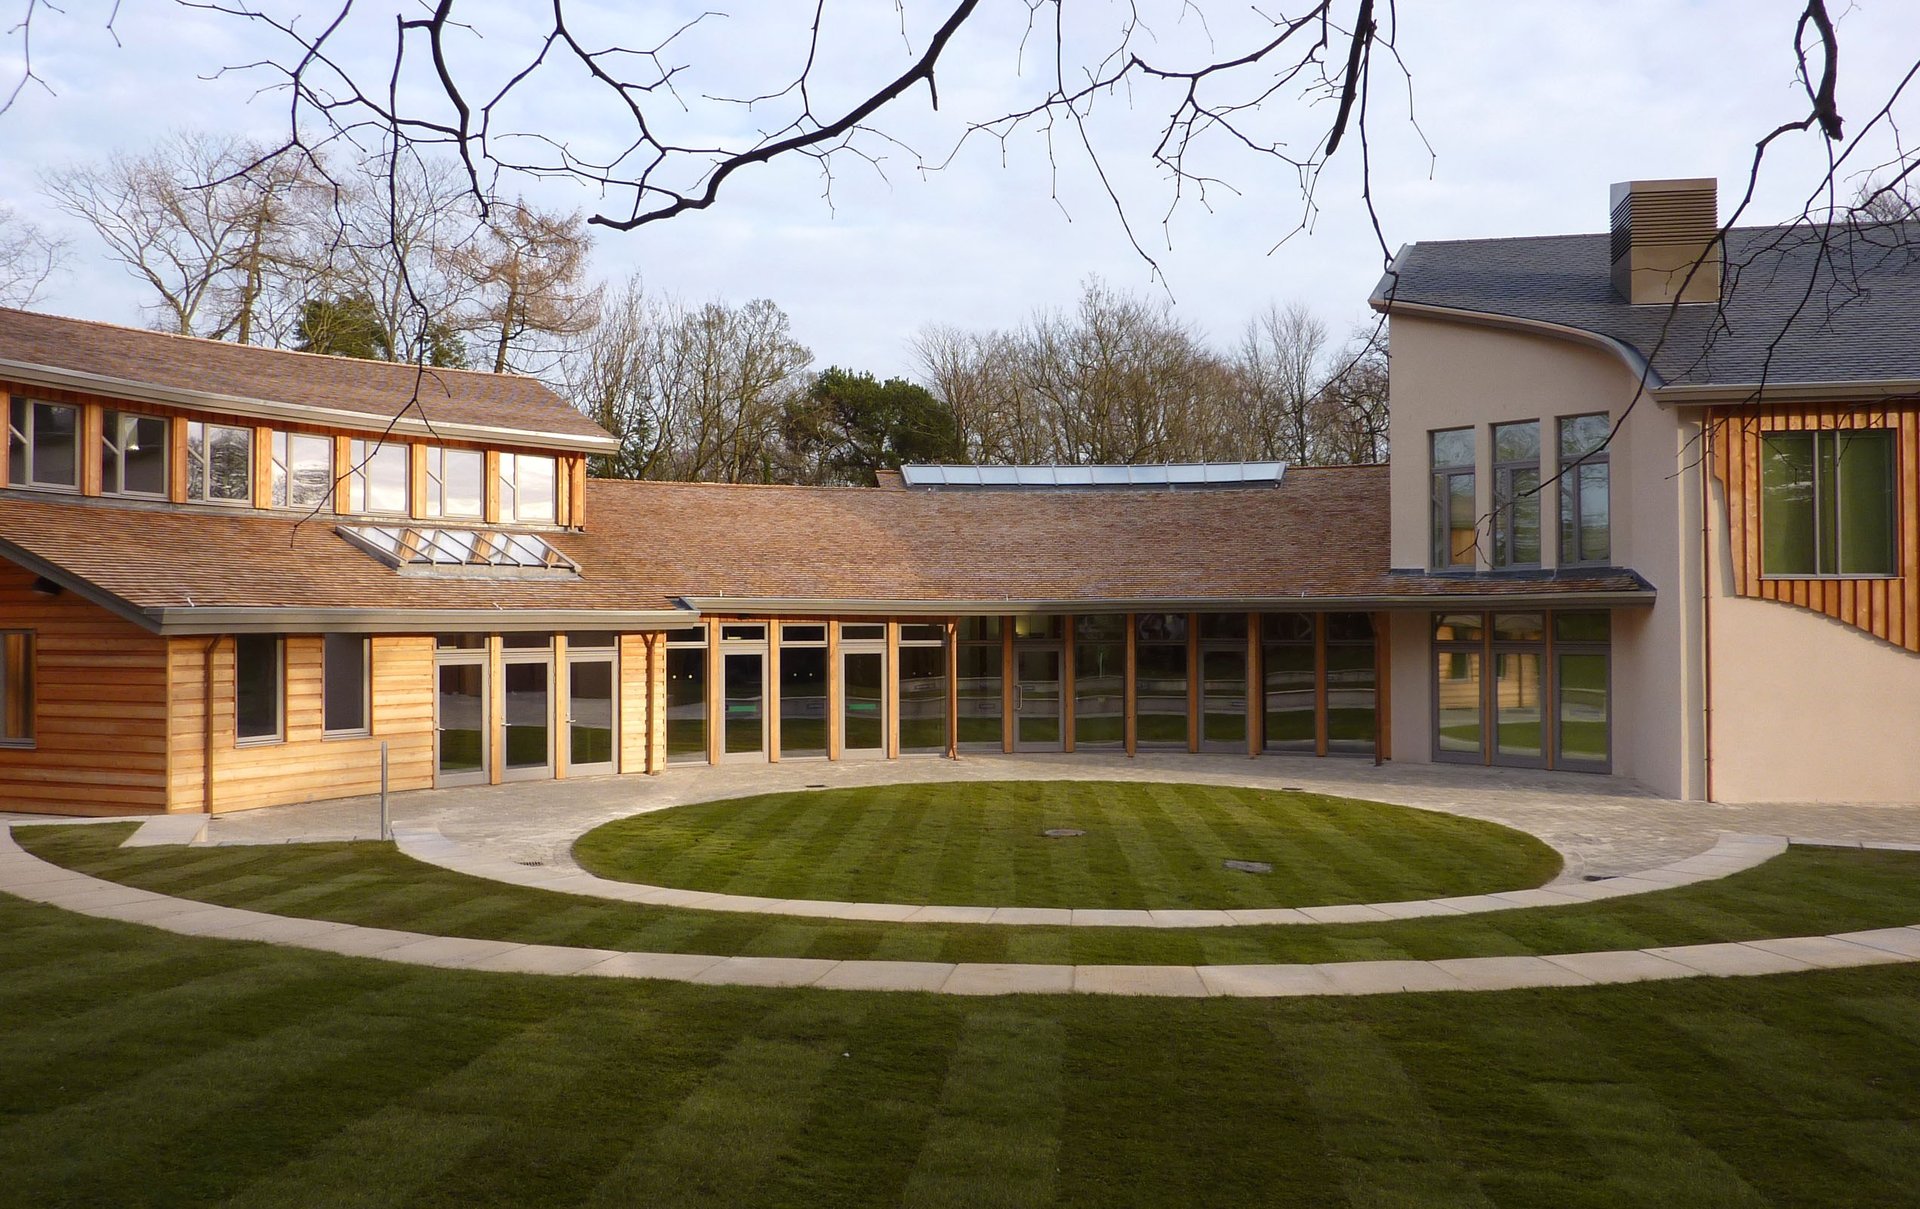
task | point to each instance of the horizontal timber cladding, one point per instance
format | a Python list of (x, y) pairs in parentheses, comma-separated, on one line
[(1887, 608), (100, 707), (304, 765)]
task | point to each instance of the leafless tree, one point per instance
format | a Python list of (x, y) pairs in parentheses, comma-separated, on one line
[(528, 275), (29, 257), (1279, 371), (1350, 420), (977, 375)]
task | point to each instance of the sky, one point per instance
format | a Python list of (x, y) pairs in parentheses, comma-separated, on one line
[(1526, 111)]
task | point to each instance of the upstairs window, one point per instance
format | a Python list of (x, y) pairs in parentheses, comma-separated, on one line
[(1585, 535), (1827, 502), (43, 445), (219, 463), (456, 480), (1453, 489), (377, 479), (133, 454), (1516, 494), (529, 488), (302, 470)]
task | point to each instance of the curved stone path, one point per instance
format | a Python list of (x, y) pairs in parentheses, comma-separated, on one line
[(1730, 855), (27, 876)]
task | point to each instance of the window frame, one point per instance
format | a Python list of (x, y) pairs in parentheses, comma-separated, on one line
[(366, 688), (1506, 501), (24, 438), (29, 740), (1571, 512), (1485, 646), (435, 488), (361, 452), (280, 488), (279, 734), (113, 454), (1440, 554), (198, 443), (507, 475), (1827, 499)]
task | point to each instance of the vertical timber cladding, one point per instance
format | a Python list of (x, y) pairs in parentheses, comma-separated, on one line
[(304, 765), (100, 686), (1886, 607), (636, 713)]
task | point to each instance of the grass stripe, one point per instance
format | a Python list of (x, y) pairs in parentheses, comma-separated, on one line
[(994, 1142)]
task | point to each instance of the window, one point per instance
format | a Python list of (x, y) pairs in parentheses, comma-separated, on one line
[(454, 482), (344, 680), (42, 442), (258, 673), (1526, 689), (302, 470), (1826, 502), (528, 487), (1516, 494), (133, 454), (1160, 679), (687, 694), (16, 688), (1584, 532), (219, 463), (922, 692), (982, 709), (377, 478), (1099, 680), (1453, 524)]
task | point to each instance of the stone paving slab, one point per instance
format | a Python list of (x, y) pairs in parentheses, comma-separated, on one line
[(1621, 965), (986, 978), (1383, 977), (1177, 981), (1510, 973), (1730, 960), (1905, 941), (887, 976), (1265, 982), (766, 971), (543, 959), (1827, 952), (669, 967)]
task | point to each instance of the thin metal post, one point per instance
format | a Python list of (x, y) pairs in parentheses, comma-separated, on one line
[(386, 818)]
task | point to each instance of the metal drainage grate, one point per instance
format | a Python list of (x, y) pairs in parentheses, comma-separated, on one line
[(1062, 833), (529, 862), (1248, 866)]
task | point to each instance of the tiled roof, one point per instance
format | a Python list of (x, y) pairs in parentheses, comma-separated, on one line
[(1321, 535), (371, 391), (1801, 304)]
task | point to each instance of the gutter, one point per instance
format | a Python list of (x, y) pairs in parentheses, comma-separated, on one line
[(1866, 390), (31, 374), (180, 620), (1628, 355), (830, 606)]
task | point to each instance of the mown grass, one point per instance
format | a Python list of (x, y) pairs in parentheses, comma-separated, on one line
[(1146, 846), (144, 1069), (1806, 891)]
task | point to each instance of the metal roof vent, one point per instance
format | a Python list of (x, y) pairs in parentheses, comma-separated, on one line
[(1661, 231)]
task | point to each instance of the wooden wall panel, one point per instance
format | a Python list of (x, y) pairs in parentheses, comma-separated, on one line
[(305, 766), (100, 708), (1889, 609), (635, 678)]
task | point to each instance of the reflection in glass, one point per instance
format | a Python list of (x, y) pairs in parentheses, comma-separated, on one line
[(923, 698), (980, 700), (1582, 691), (1223, 697), (803, 700), (528, 686), (1100, 691), (744, 702), (1350, 697), (590, 712), (1037, 695), (686, 703), (1160, 693), (1518, 705), (1289, 693), (462, 715), (863, 700), (1457, 676)]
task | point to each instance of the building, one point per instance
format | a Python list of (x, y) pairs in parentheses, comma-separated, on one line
[(230, 576)]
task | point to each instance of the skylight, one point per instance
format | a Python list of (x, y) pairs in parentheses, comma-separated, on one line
[(435, 551), (1173, 476)]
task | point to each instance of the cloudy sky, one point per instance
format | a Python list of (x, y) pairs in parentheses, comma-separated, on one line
[(1531, 109)]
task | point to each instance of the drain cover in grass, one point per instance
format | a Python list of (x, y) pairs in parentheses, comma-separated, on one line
[(1248, 866), (1062, 833)]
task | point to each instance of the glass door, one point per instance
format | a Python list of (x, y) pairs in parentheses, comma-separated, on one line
[(1036, 699), (1519, 708), (1457, 707), (863, 719), (744, 727), (460, 723), (1223, 698), (526, 718), (590, 716)]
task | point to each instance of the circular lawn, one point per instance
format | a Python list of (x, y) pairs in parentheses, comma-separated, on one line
[(1141, 845)]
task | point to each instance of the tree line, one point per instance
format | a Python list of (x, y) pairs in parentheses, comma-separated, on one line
[(389, 258)]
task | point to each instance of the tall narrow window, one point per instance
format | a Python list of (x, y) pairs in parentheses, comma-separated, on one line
[(377, 478), (16, 688), (133, 454), (219, 463), (454, 485), (1585, 532), (1827, 502), (344, 675), (258, 675), (1453, 519), (1516, 494), (529, 488), (302, 470), (42, 444)]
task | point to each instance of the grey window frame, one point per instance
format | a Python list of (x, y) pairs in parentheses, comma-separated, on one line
[(113, 453), (510, 489), (199, 440), (279, 734), (281, 488), (366, 688), (1505, 531), (1571, 515), (30, 713), (1827, 496), (360, 456), (436, 485), (24, 437), (1440, 535)]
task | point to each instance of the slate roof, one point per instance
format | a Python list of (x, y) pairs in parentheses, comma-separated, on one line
[(1319, 536), (373, 391), (1801, 304)]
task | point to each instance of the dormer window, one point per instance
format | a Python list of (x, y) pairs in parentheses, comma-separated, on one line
[(377, 478), (133, 455), (219, 463), (528, 489), (302, 470), (456, 481), (43, 445)]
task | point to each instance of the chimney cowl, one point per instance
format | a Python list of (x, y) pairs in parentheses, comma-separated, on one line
[(1666, 245)]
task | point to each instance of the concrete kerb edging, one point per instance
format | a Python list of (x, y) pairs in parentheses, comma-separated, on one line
[(1731, 854), (27, 876)]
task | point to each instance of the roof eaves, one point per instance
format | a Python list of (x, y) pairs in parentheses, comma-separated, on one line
[(1628, 355), (79, 586)]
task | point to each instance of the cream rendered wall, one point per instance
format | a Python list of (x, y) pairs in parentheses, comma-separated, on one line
[(1450, 374), (1806, 708)]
